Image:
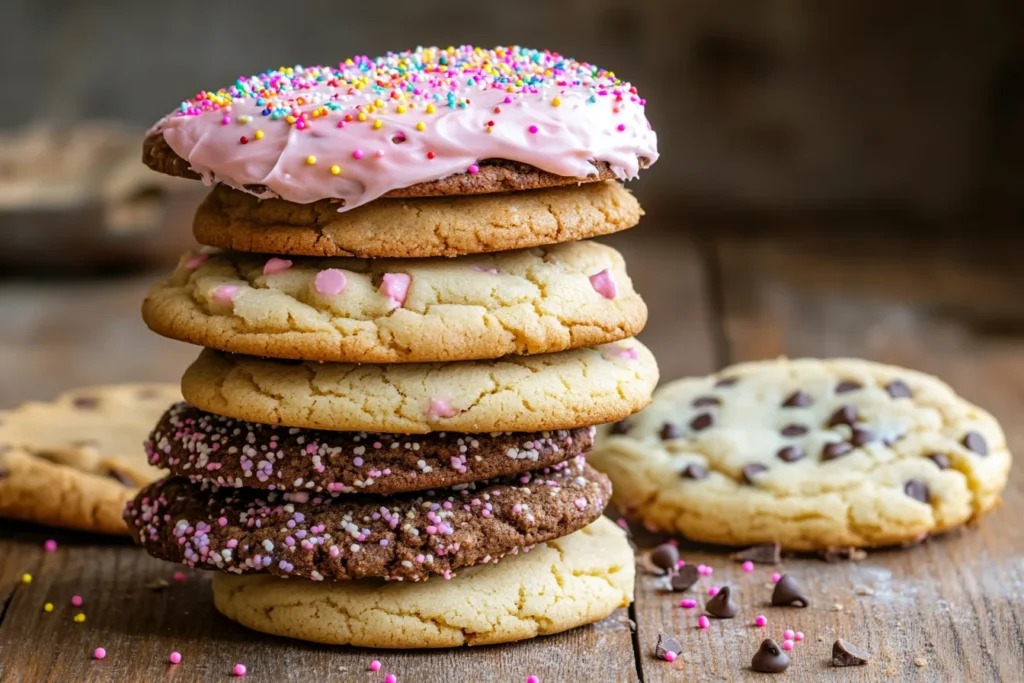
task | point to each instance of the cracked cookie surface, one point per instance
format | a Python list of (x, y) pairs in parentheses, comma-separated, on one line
[(565, 390), (75, 461), (415, 228), (233, 453), (810, 453), (561, 584), (407, 537), (396, 311)]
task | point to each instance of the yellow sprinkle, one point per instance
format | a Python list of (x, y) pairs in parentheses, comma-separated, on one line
[(311, 160), (361, 116), (420, 125), (378, 103), (430, 109), (335, 170), (258, 135), (48, 607), (400, 109), (557, 102), (79, 618), (488, 129), (378, 124), (290, 119), (26, 578)]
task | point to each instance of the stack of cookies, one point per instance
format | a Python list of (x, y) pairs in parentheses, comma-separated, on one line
[(406, 350)]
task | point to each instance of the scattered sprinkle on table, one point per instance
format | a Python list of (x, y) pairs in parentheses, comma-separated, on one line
[(79, 618), (48, 607), (532, 679), (99, 653), (239, 669), (174, 657), (375, 665), (26, 578), (179, 577), (391, 678), (50, 546), (761, 620), (76, 600)]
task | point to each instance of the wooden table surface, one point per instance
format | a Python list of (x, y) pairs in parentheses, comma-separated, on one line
[(950, 609)]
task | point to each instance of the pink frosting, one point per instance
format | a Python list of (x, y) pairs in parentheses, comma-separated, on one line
[(395, 286), (195, 261), (560, 117), (440, 408), (276, 265), (604, 284), (225, 294), (330, 282)]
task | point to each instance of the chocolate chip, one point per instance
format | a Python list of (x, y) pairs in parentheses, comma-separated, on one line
[(684, 578), (845, 653), (726, 382), (767, 553), (665, 556), (704, 401), (862, 437), (86, 402), (788, 593), (918, 490), (752, 470), (836, 449), (974, 441), (622, 426), (898, 389), (769, 658), (694, 471), (667, 643), (790, 453), (846, 415), (670, 431), (847, 386), (793, 430), (941, 460), (702, 421), (721, 605), (797, 399)]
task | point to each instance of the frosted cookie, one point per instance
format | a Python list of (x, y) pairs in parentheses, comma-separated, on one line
[(561, 584), (809, 453), (415, 228), (396, 311), (406, 537), (74, 462), (233, 453), (564, 390), (419, 123)]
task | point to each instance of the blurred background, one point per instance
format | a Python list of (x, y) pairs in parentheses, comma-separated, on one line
[(869, 138)]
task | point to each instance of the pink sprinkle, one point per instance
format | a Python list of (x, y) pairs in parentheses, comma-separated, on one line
[(789, 635), (787, 645), (703, 622), (76, 600), (50, 546), (175, 657), (473, 169), (375, 665), (223, 521), (179, 577), (532, 679), (687, 603), (439, 408), (330, 282), (775, 577), (225, 294), (276, 265), (534, 129), (391, 678), (621, 127), (799, 635), (680, 564), (704, 570), (239, 670), (748, 566), (99, 653), (713, 591), (358, 154), (603, 284), (196, 261), (670, 656), (395, 286), (761, 620)]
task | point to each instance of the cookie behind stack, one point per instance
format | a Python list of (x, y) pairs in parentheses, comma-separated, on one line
[(426, 349)]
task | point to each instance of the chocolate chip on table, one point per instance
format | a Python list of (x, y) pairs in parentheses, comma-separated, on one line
[(918, 490), (722, 606), (797, 399), (86, 402), (769, 658), (684, 578), (766, 553), (941, 460), (792, 430), (702, 421), (845, 415), (847, 386), (788, 593), (622, 426), (845, 653), (667, 643), (973, 441), (665, 556), (726, 382), (898, 389), (704, 401), (670, 431), (694, 471), (836, 449), (862, 437), (790, 453), (752, 470)]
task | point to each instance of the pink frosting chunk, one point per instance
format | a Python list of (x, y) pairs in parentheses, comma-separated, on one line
[(604, 284), (440, 408), (225, 294), (330, 282), (195, 261), (395, 286), (369, 126), (276, 265)]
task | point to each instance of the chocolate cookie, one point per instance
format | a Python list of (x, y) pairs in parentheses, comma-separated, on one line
[(404, 537), (233, 453)]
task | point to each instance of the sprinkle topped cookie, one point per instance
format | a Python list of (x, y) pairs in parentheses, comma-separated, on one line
[(810, 453), (232, 453), (369, 127), (407, 537)]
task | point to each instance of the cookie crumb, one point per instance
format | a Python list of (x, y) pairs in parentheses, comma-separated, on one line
[(920, 663), (864, 590), (157, 585), (837, 607)]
